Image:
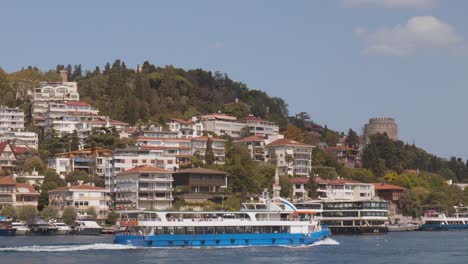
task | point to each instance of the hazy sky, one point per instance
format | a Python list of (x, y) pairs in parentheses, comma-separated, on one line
[(342, 61)]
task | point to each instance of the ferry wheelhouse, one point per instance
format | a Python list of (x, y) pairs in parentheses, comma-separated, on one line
[(257, 224), (350, 216), (435, 221)]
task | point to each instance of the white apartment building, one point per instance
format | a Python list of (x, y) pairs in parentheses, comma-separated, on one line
[(186, 128), (334, 189), (126, 159), (159, 132), (291, 157), (81, 197), (11, 119), (16, 194), (7, 156), (49, 92), (222, 124), (179, 148), (261, 127), (144, 187), (21, 139)]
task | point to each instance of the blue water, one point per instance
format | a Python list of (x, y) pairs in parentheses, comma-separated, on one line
[(409, 247)]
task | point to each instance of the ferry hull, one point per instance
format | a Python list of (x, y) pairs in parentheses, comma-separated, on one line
[(8, 232), (359, 230), (222, 240), (440, 227)]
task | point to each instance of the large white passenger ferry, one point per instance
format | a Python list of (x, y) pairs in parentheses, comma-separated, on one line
[(268, 223)]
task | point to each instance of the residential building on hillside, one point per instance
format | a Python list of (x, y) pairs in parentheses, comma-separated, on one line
[(21, 139), (199, 146), (32, 178), (290, 157), (144, 187), (203, 183), (159, 132), (8, 157), (11, 119), (179, 148), (256, 146), (81, 197), (333, 189), (93, 161), (390, 193), (186, 128), (346, 156), (126, 159), (261, 127), (222, 124), (16, 194), (344, 189)]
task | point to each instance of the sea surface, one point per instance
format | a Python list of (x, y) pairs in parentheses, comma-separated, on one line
[(408, 247)]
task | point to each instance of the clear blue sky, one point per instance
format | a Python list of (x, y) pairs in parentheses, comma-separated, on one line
[(342, 61)]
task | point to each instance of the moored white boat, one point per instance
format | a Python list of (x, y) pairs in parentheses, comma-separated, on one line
[(435, 221), (86, 227), (21, 228), (62, 228)]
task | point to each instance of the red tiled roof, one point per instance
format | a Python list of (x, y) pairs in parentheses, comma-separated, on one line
[(163, 139), (7, 180), (19, 150), (187, 122), (288, 142), (220, 116), (79, 187), (250, 139), (27, 186), (3, 146), (76, 103), (144, 168), (164, 147), (323, 181), (200, 170), (204, 138), (299, 180), (253, 118), (385, 186)]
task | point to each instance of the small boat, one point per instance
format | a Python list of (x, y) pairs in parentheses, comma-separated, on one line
[(86, 227), (268, 223), (62, 228), (435, 221), (40, 227), (21, 228), (6, 229)]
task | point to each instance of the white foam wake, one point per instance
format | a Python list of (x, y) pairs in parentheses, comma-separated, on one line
[(325, 242), (64, 248)]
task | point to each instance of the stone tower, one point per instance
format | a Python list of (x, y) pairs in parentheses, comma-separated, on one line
[(381, 125)]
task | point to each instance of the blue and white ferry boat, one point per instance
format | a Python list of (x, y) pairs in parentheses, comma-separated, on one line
[(435, 221), (267, 223)]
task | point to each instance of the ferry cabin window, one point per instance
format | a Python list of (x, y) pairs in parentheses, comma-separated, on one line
[(220, 230)]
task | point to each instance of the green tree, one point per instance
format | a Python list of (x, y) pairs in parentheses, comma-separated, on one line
[(33, 163), (69, 215), (410, 204), (78, 175), (112, 218), (209, 154), (27, 212), (352, 139), (294, 133), (9, 212), (91, 211), (49, 213), (286, 188), (312, 187)]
